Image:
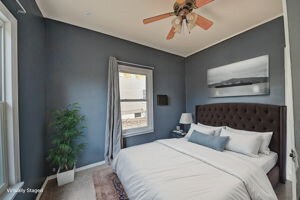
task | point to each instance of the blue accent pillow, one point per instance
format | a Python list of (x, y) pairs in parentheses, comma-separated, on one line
[(214, 142)]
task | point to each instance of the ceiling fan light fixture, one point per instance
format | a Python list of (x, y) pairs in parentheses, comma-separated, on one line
[(185, 19), (191, 18), (177, 24), (178, 20)]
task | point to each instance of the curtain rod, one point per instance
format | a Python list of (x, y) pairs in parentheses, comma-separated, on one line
[(134, 64), (22, 10)]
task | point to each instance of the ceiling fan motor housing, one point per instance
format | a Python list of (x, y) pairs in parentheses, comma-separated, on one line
[(185, 8)]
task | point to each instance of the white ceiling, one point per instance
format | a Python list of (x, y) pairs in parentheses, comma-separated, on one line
[(123, 19)]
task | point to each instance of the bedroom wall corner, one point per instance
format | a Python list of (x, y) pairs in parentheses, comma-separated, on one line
[(265, 39), (77, 71)]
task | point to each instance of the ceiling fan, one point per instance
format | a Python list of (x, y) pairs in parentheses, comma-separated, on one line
[(185, 19)]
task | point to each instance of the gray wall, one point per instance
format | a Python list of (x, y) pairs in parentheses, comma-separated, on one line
[(265, 39), (293, 7), (32, 93), (77, 72)]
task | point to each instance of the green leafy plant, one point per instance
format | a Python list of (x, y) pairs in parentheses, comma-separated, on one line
[(68, 128)]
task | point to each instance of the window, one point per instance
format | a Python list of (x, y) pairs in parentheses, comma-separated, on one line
[(3, 180), (9, 115), (136, 95)]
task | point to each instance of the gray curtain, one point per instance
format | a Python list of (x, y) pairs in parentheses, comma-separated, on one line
[(113, 132)]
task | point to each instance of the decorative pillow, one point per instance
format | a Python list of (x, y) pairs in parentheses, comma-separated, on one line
[(214, 142), (217, 129), (199, 129), (247, 144), (266, 138)]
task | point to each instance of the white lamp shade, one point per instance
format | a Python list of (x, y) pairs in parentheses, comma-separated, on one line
[(186, 118)]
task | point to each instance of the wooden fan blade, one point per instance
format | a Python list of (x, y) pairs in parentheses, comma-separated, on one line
[(158, 17), (200, 3), (171, 33), (203, 22), (180, 1)]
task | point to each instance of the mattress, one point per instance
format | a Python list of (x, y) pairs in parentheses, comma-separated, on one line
[(266, 162)]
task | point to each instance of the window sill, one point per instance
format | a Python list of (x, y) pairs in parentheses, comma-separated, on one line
[(136, 133), (11, 195)]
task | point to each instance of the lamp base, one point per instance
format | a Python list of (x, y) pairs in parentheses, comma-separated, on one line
[(185, 127)]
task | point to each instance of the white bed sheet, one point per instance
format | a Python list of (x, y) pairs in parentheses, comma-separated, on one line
[(178, 170), (266, 162)]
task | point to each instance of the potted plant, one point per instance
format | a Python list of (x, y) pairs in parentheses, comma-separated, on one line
[(67, 125)]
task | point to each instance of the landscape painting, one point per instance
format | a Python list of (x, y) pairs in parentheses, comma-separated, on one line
[(244, 78)]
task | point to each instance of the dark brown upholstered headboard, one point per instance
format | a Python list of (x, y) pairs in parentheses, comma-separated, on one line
[(251, 117)]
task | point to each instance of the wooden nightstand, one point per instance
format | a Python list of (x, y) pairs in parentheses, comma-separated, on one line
[(176, 134)]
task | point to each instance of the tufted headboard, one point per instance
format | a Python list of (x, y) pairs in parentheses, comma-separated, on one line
[(251, 117)]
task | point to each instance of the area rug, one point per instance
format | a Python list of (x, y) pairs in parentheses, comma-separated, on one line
[(108, 186)]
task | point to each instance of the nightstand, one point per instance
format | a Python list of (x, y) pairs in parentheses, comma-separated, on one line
[(175, 134)]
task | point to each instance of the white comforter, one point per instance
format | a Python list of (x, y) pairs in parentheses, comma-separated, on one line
[(176, 169)]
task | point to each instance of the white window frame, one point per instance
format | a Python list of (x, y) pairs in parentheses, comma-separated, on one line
[(149, 96), (4, 149), (10, 99)]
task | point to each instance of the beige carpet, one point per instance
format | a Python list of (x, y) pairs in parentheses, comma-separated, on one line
[(81, 189), (108, 186)]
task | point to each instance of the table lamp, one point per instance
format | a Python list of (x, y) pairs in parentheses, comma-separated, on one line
[(185, 119)]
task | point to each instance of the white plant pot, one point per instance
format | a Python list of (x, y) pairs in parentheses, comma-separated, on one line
[(65, 177)]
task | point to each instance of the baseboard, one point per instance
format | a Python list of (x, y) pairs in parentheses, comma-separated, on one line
[(44, 186), (76, 170), (90, 166)]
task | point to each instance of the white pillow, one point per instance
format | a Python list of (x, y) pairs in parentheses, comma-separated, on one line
[(217, 129), (266, 138), (247, 144), (199, 129)]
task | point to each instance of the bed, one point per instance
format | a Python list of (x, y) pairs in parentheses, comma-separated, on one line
[(178, 169)]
